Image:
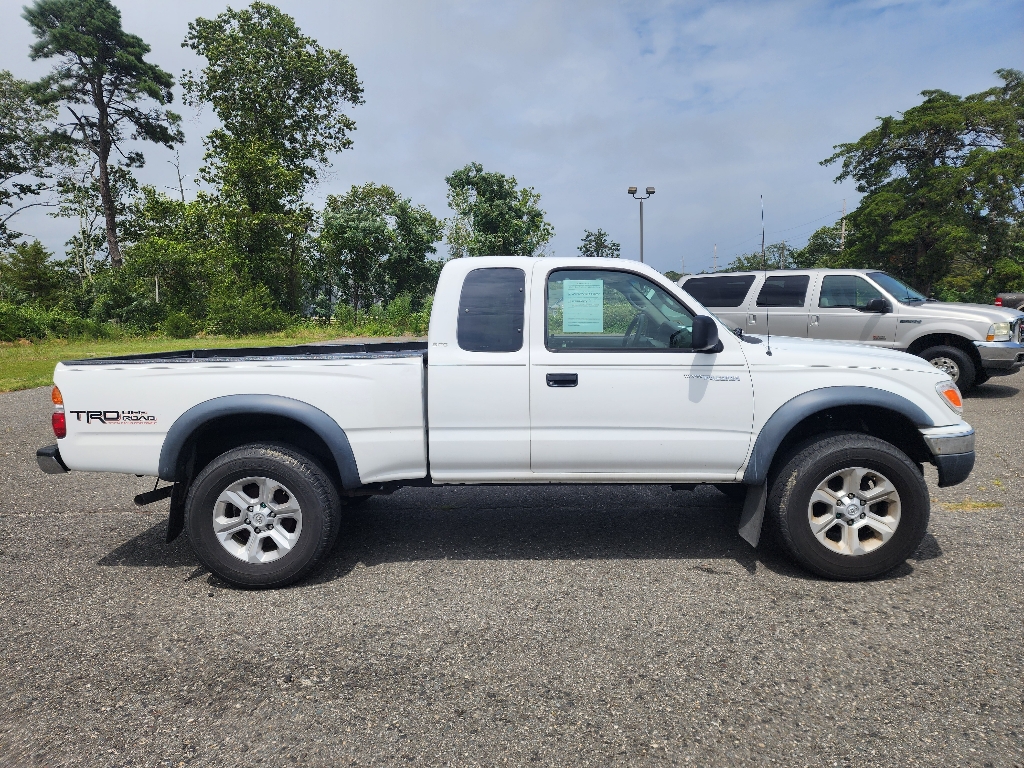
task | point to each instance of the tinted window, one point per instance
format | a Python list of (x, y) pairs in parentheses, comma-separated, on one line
[(725, 291), (783, 291), (491, 310), (846, 291), (609, 310)]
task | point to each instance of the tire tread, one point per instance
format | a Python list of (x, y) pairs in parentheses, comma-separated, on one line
[(783, 484), (323, 489)]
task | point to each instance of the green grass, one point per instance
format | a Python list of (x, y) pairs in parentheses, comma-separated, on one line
[(24, 365)]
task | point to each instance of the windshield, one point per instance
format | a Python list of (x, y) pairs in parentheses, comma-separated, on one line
[(901, 292)]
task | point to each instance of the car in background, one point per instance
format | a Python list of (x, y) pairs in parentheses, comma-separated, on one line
[(1011, 300), (971, 342)]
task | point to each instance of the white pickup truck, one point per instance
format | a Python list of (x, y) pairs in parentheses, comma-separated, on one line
[(535, 371)]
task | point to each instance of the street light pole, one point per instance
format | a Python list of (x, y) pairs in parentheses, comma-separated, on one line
[(641, 198)]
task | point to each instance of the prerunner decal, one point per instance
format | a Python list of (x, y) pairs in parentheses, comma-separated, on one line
[(114, 417)]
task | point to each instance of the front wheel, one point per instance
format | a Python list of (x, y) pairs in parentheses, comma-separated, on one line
[(955, 362), (262, 515), (849, 506)]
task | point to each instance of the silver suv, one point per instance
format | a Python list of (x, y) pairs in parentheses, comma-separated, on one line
[(971, 342)]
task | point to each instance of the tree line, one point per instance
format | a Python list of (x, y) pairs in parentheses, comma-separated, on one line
[(942, 186), (248, 253)]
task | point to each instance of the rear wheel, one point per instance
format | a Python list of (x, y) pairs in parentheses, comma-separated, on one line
[(262, 515), (849, 506), (955, 362)]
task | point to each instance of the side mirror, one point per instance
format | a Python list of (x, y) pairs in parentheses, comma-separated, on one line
[(705, 334), (878, 306)]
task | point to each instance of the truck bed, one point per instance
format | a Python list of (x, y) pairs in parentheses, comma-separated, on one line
[(119, 409)]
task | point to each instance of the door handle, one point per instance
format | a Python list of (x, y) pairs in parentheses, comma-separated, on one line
[(751, 319), (815, 319), (563, 379)]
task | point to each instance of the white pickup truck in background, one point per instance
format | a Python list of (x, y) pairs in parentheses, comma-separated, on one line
[(970, 342), (535, 371)]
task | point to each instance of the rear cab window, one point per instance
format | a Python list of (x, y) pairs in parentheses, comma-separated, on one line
[(724, 291), (491, 310), (784, 291)]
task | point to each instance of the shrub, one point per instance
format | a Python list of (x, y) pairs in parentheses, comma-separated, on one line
[(18, 323), (60, 325), (243, 314), (393, 319), (420, 321), (29, 322), (398, 313), (178, 325)]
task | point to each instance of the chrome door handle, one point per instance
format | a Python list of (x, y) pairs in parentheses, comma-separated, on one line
[(815, 319), (751, 319)]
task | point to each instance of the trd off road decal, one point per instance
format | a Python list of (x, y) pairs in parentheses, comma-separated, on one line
[(114, 417)]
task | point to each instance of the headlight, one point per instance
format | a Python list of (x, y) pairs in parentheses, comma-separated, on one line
[(998, 332), (950, 395)]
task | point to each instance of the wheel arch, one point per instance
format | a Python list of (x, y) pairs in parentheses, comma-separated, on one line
[(214, 426), (929, 340), (860, 409)]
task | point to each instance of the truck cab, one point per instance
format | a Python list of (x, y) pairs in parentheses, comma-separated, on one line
[(579, 370)]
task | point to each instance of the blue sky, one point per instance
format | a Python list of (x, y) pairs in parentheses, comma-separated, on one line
[(713, 104)]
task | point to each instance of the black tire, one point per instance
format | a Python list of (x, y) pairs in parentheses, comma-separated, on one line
[(313, 490), (981, 378), (965, 368), (789, 504), (735, 491)]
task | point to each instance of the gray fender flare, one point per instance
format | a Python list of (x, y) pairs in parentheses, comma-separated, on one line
[(269, 405), (800, 407), (788, 416)]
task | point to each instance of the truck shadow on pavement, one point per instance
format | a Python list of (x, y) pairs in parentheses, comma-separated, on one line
[(529, 523), (990, 391)]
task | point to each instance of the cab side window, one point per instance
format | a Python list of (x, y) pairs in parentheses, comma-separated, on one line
[(724, 291), (491, 310), (610, 310), (783, 291), (846, 291)]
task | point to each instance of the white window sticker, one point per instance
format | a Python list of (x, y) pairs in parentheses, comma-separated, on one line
[(583, 306)]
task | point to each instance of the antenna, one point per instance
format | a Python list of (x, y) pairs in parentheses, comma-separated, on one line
[(764, 264), (715, 267)]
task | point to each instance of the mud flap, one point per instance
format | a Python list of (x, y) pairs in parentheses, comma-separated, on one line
[(176, 518), (753, 513)]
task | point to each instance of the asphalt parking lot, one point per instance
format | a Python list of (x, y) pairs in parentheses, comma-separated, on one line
[(492, 626)]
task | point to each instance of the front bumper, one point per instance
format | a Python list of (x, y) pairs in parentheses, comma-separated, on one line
[(952, 451), (49, 460), (1000, 358)]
